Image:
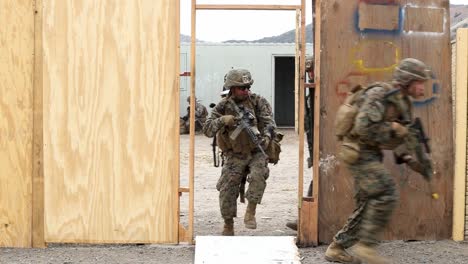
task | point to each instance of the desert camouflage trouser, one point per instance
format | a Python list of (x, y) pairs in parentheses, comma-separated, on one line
[(231, 176), (375, 198)]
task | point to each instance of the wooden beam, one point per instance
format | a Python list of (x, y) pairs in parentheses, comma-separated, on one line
[(308, 229), (192, 121), (177, 26), (38, 240), (316, 5), (296, 72), (184, 189), (302, 49), (459, 186), (248, 7), (183, 234)]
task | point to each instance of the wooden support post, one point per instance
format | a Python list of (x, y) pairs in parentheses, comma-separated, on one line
[(248, 7), (302, 48), (316, 4), (459, 193), (296, 72), (192, 122), (38, 240)]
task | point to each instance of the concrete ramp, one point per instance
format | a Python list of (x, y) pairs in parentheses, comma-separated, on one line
[(246, 249)]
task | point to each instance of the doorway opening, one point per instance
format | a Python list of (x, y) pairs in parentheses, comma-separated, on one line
[(284, 91)]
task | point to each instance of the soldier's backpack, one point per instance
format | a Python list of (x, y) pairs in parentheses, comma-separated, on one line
[(345, 118)]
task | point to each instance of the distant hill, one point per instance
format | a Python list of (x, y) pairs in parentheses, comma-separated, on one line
[(458, 19), (287, 37)]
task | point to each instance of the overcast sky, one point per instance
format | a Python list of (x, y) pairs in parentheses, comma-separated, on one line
[(220, 25)]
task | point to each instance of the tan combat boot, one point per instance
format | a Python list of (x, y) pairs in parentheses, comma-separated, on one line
[(249, 218), (292, 225), (228, 229), (369, 254), (336, 253)]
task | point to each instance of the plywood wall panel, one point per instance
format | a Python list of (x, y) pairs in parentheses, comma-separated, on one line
[(110, 104), (353, 55), (16, 125)]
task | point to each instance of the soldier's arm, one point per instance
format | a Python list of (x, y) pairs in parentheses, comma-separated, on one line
[(265, 115), (369, 124), (213, 124)]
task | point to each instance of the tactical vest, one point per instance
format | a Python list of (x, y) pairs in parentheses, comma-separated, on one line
[(396, 106), (242, 144)]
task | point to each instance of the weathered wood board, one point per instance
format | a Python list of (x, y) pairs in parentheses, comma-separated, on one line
[(16, 121), (111, 119), (353, 53)]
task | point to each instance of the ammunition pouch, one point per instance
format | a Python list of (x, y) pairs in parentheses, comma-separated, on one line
[(345, 119), (273, 149), (349, 151)]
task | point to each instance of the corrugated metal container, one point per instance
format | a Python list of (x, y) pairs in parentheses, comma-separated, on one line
[(214, 60)]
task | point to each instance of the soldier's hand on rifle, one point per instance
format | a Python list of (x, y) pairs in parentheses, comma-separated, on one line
[(399, 129), (228, 120), (265, 142)]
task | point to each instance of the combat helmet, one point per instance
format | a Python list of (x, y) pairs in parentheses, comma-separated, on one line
[(238, 78), (188, 99), (409, 70)]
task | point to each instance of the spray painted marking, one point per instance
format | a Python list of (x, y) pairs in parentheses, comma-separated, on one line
[(434, 20), (395, 22), (435, 92), (359, 63), (361, 73)]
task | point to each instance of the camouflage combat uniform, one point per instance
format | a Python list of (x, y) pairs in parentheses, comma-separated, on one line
[(200, 118), (375, 190), (241, 153)]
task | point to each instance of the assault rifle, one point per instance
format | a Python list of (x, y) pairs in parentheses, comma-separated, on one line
[(420, 134), (415, 141), (245, 119)]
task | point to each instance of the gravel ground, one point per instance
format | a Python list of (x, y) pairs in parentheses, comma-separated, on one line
[(279, 206)]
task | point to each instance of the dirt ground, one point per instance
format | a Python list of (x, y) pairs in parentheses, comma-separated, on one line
[(279, 206)]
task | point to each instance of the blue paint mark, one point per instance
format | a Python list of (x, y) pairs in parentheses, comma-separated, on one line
[(394, 32), (435, 94)]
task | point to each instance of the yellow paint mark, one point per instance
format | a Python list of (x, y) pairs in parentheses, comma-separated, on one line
[(359, 63)]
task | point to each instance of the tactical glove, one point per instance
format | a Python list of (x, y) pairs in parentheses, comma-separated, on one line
[(265, 142), (399, 130), (228, 120)]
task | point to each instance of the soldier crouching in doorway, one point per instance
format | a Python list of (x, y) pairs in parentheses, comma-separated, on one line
[(245, 129)]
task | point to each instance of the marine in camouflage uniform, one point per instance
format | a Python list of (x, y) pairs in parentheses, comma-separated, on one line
[(379, 124), (200, 117), (240, 152)]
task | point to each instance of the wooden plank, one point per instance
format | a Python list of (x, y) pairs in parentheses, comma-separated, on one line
[(38, 239), (317, 115), (421, 19), (379, 17), (246, 249), (296, 72), (16, 122), (248, 7), (183, 235), (192, 119), (308, 226), (461, 104), (184, 189), (417, 216), (300, 189), (110, 97), (180, 236)]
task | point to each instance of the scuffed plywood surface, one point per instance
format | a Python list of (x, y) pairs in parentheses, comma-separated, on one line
[(16, 121), (110, 112)]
